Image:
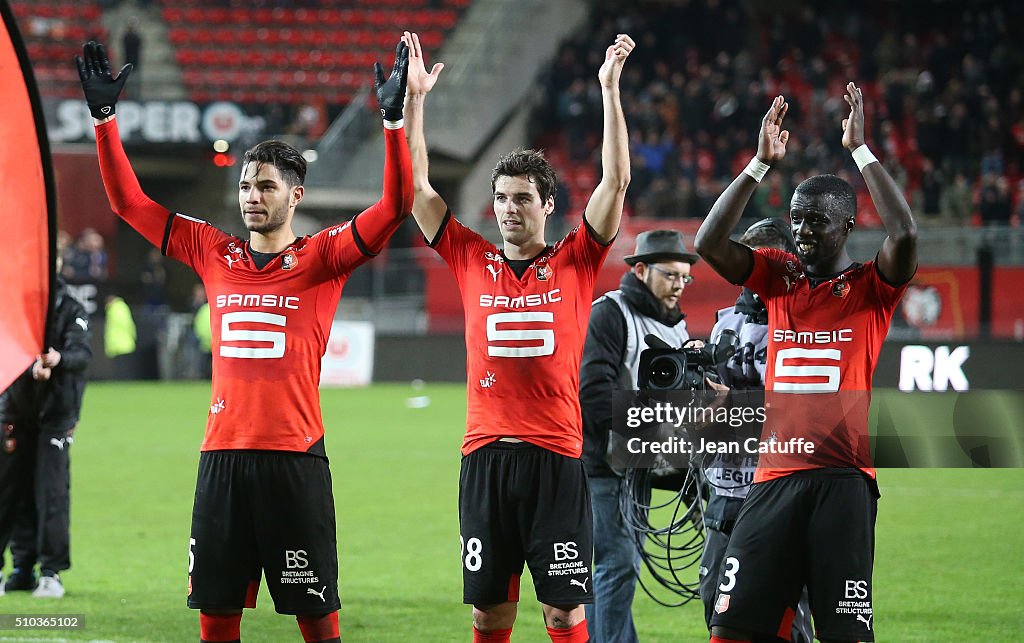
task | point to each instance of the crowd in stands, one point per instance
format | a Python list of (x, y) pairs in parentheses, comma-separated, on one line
[(944, 106)]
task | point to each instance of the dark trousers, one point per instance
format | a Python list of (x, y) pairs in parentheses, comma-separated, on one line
[(35, 498)]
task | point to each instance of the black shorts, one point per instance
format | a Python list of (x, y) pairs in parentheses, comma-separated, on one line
[(268, 511), (522, 503), (813, 528)]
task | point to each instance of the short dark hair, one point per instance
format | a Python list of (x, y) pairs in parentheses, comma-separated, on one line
[(288, 161), (842, 197), (531, 163), (770, 233)]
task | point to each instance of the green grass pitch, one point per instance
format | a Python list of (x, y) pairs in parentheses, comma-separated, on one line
[(948, 563)]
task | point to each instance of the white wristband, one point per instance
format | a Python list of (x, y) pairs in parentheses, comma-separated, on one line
[(756, 169), (862, 156), (399, 124)]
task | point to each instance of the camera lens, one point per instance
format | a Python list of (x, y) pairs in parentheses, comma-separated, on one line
[(664, 372)]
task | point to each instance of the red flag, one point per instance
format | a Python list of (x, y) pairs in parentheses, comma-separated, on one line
[(27, 218)]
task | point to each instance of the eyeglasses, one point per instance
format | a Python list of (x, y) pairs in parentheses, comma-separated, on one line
[(673, 276)]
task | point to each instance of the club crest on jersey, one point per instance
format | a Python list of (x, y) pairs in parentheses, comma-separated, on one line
[(840, 288), (544, 272), (722, 604), (289, 260), (234, 255)]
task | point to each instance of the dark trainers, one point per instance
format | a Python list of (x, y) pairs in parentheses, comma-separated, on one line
[(20, 580)]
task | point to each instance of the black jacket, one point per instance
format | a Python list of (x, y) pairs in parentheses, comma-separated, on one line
[(53, 405), (601, 368)]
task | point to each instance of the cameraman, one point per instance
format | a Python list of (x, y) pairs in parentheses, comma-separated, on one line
[(647, 301), (729, 480)]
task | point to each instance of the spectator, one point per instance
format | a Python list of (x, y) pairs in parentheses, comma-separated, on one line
[(153, 280), (201, 329), (956, 204), (87, 259), (131, 42), (119, 335), (995, 204)]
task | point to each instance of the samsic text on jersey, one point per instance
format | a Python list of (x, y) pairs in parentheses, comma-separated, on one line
[(823, 346), (270, 330), (524, 337)]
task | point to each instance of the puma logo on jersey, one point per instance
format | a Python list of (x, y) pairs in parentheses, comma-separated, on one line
[(865, 621), (310, 590), (83, 323), (58, 442), (583, 585), (494, 273)]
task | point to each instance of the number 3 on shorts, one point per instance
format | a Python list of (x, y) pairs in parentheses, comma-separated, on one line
[(732, 565), (469, 551)]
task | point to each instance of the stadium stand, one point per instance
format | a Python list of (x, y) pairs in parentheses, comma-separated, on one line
[(54, 31), (296, 53), (946, 106), (302, 53)]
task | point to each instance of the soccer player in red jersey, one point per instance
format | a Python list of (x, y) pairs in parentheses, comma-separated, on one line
[(809, 518), (263, 499), (522, 493)]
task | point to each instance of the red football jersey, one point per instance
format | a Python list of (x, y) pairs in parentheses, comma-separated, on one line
[(524, 336), (270, 330), (823, 346)]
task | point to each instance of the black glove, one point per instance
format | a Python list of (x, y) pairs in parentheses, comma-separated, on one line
[(391, 93), (101, 89)]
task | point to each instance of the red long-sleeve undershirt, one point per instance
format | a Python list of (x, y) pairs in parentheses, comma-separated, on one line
[(126, 197), (375, 225)]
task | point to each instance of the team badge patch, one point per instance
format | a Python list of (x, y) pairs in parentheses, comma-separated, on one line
[(840, 289), (289, 260), (544, 272), (722, 604)]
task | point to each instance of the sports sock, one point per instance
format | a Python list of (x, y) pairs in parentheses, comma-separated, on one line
[(322, 628), (494, 636), (220, 628), (575, 634)]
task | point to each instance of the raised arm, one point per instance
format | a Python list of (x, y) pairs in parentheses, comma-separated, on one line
[(604, 210), (377, 223), (428, 208), (730, 259), (897, 260), (125, 194)]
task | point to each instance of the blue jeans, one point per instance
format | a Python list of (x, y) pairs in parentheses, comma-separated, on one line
[(616, 567)]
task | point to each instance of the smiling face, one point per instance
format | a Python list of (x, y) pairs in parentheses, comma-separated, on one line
[(521, 213), (265, 198), (820, 229)]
